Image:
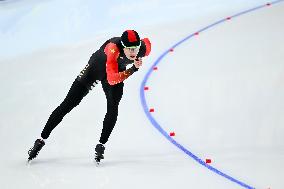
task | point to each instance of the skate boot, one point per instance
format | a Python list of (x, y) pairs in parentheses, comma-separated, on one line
[(33, 152), (99, 153)]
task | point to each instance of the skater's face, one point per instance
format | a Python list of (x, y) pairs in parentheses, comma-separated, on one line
[(131, 52)]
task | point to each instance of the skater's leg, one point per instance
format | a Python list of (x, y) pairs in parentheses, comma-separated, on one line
[(73, 98), (113, 94)]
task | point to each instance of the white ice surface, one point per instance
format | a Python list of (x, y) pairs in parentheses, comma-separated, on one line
[(221, 92)]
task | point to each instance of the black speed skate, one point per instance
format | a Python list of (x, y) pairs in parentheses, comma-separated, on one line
[(33, 152), (100, 149)]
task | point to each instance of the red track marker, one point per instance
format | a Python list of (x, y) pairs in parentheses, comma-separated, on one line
[(268, 4), (208, 161), (197, 33), (171, 50), (152, 110), (146, 88), (155, 68), (172, 134), (228, 18)]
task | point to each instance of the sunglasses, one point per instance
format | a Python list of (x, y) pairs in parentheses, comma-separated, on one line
[(132, 48)]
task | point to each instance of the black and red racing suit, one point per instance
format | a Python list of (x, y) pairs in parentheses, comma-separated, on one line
[(108, 66)]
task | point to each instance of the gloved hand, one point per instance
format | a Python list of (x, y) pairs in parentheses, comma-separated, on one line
[(138, 62)]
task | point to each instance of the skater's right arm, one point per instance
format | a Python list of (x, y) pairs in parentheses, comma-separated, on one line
[(113, 75)]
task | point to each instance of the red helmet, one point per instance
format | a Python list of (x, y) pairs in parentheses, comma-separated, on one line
[(130, 38)]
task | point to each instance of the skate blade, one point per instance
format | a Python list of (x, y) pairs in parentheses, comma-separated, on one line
[(97, 162), (28, 162)]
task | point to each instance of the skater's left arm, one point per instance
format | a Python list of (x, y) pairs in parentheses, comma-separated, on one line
[(144, 50)]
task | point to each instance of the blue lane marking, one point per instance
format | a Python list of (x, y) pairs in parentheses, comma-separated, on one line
[(157, 125)]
